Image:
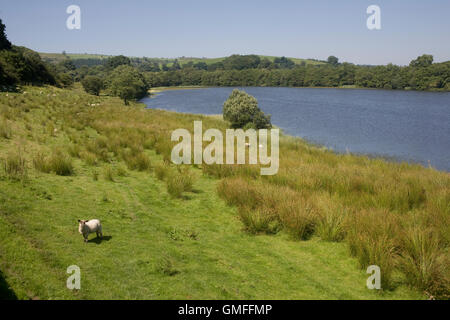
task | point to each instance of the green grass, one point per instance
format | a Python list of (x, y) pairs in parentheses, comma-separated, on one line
[(160, 246)]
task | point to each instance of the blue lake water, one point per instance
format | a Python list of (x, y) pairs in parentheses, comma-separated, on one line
[(403, 125)]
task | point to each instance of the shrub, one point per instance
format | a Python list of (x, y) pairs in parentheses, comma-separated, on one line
[(127, 83), (241, 110), (92, 84)]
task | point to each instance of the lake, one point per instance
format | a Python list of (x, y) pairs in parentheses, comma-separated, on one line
[(403, 125)]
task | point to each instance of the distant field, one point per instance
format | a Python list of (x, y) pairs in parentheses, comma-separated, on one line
[(56, 57)]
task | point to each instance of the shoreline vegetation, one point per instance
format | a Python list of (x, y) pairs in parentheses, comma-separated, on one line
[(189, 228)]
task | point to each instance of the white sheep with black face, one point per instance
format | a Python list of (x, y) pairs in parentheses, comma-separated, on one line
[(86, 227)]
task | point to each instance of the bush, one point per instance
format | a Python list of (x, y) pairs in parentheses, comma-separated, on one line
[(241, 110), (92, 84), (127, 83)]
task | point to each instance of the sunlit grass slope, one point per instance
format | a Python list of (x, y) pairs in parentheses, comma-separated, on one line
[(186, 232)]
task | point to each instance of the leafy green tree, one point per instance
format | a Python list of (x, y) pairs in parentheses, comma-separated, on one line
[(424, 60), (64, 80), (116, 61), (241, 110), (175, 66), (92, 84), (4, 42), (283, 63), (201, 66), (127, 83), (333, 60)]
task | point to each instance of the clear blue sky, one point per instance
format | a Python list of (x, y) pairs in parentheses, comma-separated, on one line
[(210, 28)]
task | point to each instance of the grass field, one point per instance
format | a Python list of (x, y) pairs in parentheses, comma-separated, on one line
[(56, 57), (192, 232)]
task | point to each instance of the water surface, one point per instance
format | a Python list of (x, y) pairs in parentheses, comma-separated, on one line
[(404, 125)]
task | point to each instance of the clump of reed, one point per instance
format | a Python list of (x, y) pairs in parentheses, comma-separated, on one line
[(139, 161), (179, 181), (57, 162), (162, 170), (108, 173), (14, 166), (5, 129)]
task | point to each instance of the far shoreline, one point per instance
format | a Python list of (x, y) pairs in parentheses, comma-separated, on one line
[(155, 90)]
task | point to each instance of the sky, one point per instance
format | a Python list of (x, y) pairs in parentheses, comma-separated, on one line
[(210, 28)]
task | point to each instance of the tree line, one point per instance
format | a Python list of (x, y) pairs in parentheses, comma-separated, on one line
[(413, 77)]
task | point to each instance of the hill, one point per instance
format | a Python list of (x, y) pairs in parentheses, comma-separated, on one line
[(67, 155)]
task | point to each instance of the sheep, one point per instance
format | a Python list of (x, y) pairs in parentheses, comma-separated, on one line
[(85, 227)]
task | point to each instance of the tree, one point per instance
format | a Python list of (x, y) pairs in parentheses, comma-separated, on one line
[(175, 66), (283, 63), (64, 80), (92, 84), (127, 83), (4, 42), (116, 61), (241, 110), (424, 60), (333, 60)]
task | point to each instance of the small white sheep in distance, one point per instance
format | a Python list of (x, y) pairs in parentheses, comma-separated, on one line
[(86, 227)]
